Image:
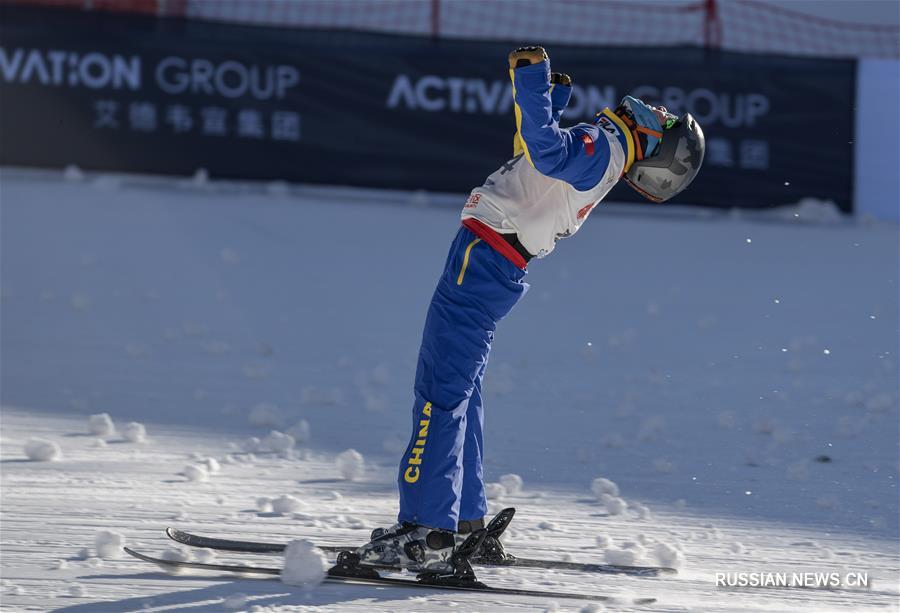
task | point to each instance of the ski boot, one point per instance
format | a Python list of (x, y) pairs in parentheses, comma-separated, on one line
[(433, 553), (410, 546)]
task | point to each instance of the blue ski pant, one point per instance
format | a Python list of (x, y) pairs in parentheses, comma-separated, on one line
[(441, 476)]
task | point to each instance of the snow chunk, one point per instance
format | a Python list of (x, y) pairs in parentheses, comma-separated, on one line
[(265, 415), (640, 510), (42, 450), (594, 607), (196, 472), (73, 173), (494, 491), (204, 554), (811, 210), (235, 602), (300, 431), (664, 466), (264, 504), (109, 544), (251, 445), (176, 554), (77, 591), (622, 557), (304, 564), (350, 464), (134, 432), (211, 464), (279, 442), (736, 547), (601, 486), (547, 525), (101, 424), (287, 504), (603, 541), (668, 555), (614, 505), (513, 484)]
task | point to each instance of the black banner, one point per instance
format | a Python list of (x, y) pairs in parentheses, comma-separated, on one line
[(140, 94)]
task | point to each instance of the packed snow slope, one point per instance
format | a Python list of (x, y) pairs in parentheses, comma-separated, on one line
[(735, 375)]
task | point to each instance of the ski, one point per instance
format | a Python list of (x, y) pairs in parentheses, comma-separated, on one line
[(239, 569), (195, 540)]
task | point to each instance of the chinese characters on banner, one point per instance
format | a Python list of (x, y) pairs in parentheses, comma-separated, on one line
[(751, 154), (148, 117)]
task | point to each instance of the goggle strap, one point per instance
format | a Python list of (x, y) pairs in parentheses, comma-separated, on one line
[(649, 131)]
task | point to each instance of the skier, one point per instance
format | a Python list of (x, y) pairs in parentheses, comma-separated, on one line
[(544, 193)]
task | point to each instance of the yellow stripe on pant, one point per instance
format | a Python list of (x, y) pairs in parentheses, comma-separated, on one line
[(465, 264), (415, 457)]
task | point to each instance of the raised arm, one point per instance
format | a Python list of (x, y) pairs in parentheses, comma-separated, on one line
[(576, 156), (560, 93)]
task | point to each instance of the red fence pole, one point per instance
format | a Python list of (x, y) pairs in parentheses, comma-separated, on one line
[(435, 18), (712, 27)]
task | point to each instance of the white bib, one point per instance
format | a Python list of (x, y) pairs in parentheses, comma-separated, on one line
[(539, 209)]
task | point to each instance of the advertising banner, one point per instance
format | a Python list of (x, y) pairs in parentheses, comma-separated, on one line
[(141, 94)]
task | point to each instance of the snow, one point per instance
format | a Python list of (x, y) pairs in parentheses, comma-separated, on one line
[(235, 602), (205, 555), (300, 431), (175, 553), (134, 432), (266, 415), (196, 472), (287, 504), (668, 556), (212, 465), (77, 591), (101, 424), (601, 486), (614, 505), (264, 504), (304, 564), (92, 267), (512, 483), (494, 491), (350, 464), (108, 544), (278, 442), (42, 450), (623, 556)]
